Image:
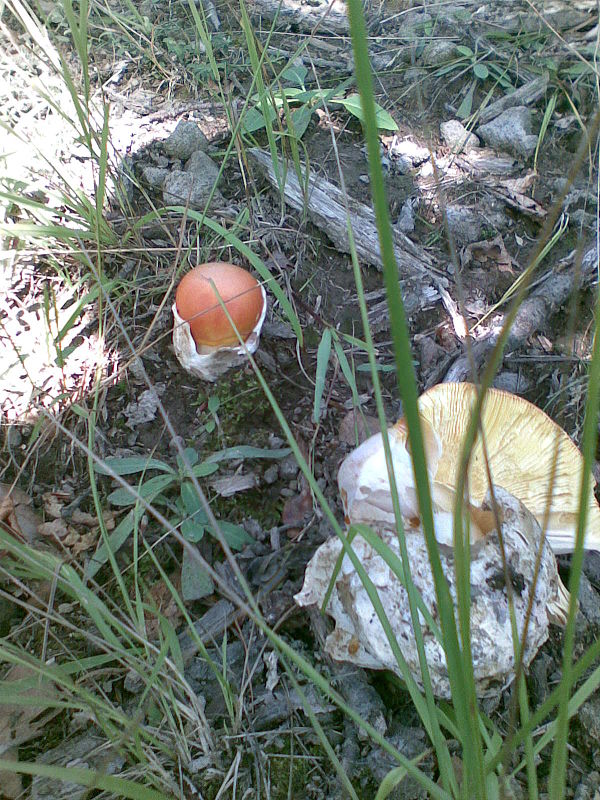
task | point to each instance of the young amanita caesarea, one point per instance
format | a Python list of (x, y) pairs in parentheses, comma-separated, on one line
[(205, 341)]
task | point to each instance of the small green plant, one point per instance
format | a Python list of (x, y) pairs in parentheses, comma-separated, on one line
[(172, 488), (306, 102), (469, 61)]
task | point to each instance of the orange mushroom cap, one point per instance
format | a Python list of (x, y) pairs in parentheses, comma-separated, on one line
[(197, 302)]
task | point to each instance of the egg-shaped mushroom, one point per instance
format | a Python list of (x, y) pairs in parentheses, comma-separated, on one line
[(529, 455), (205, 341)]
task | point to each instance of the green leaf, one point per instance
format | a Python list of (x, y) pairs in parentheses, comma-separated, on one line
[(204, 469), (300, 119), (235, 536), (130, 465), (254, 120), (196, 583), (465, 107), (147, 491), (191, 456), (295, 73), (464, 50), (246, 451), (115, 540), (323, 354), (481, 71), (191, 501), (192, 531), (352, 104)]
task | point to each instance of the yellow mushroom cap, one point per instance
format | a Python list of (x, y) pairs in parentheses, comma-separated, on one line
[(524, 447)]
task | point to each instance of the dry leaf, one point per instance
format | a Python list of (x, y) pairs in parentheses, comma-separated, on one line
[(11, 783), (16, 514), (57, 529), (229, 485), (488, 254), (20, 723), (159, 597), (53, 505), (356, 427), (91, 520), (78, 543)]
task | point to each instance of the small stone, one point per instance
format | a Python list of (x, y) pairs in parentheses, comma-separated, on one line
[(288, 468), (254, 528), (13, 437), (271, 474), (185, 139), (439, 51), (514, 382), (511, 131), (464, 224), (589, 717), (200, 163), (456, 136), (406, 219), (181, 188), (154, 176)]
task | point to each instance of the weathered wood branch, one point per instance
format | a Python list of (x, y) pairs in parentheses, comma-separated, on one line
[(523, 96), (325, 204), (326, 17)]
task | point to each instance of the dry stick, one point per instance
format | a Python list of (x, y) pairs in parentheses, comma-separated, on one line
[(326, 209), (549, 296)]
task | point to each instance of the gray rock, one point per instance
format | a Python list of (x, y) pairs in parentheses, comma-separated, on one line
[(180, 188), (154, 176), (456, 136), (200, 163), (511, 131), (589, 605), (464, 224), (406, 219), (185, 139), (589, 717), (271, 474), (288, 468), (513, 382), (410, 742), (439, 51), (591, 567)]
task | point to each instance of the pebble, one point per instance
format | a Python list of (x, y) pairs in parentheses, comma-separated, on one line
[(464, 224), (180, 188), (185, 139), (154, 176), (288, 468), (199, 163), (511, 131), (456, 136), (406, 219), (271, 474)]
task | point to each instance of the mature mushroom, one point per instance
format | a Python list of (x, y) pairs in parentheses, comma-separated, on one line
[(359, 637), (205, 341), (525, 450), (529, 456)]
